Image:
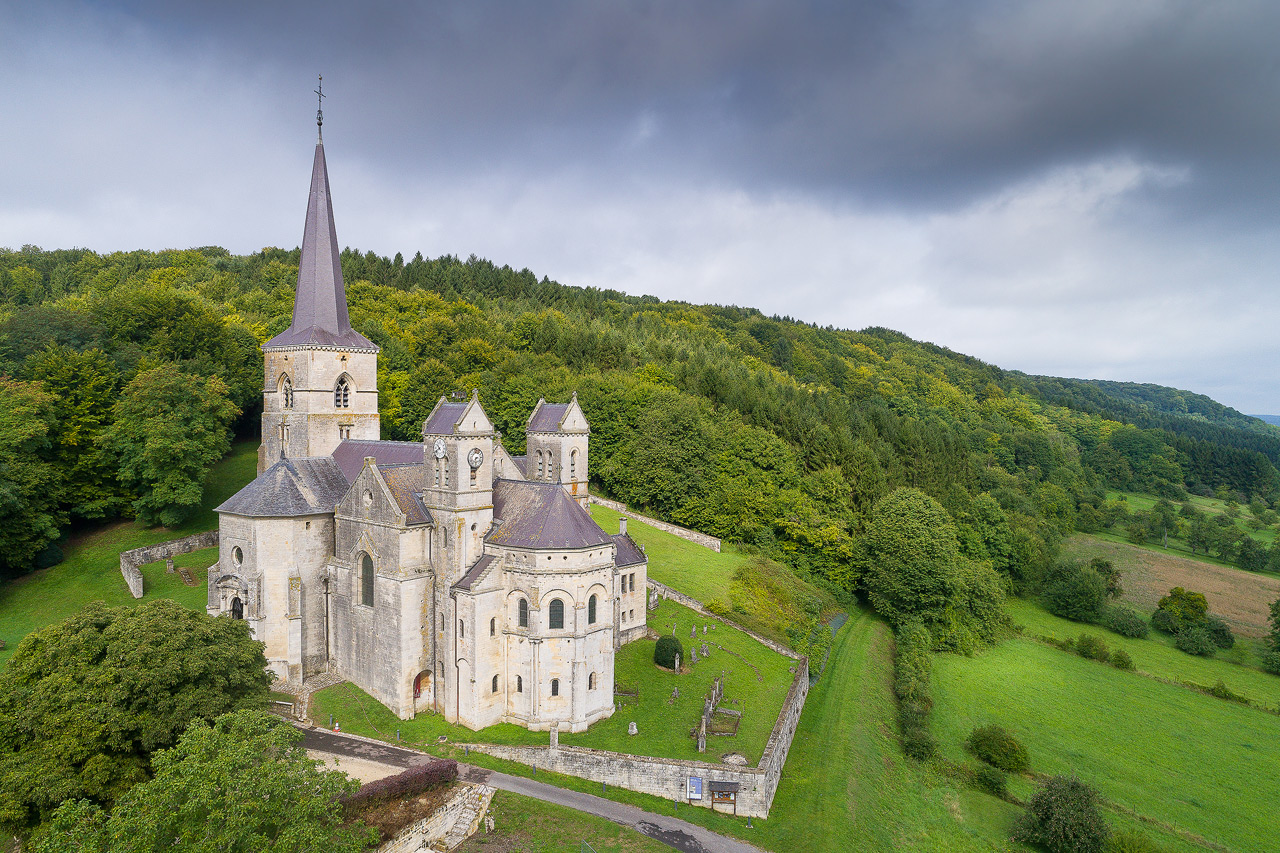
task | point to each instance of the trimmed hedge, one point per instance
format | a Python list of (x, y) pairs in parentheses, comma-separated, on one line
[(411, 782), (912, 666), (664, 653), (994, 745)]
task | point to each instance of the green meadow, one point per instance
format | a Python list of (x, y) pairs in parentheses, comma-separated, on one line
[(1183, 761)]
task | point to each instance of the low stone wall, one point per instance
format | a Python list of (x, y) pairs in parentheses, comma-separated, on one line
[(467, 804), (666, 527), (131, 560), (668, 777), (664, 591)]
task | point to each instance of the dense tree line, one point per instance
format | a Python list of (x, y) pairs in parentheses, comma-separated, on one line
[(761, 430)]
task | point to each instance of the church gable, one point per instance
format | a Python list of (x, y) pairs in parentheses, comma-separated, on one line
[(370, 499)]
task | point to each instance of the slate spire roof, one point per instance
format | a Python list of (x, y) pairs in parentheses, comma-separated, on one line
[(320, 306)]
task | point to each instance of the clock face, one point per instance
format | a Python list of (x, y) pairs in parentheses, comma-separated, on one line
[(475, 457), (439, 448)]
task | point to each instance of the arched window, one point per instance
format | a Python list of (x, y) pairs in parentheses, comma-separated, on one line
[(591, 610), (462, 630), (555, 687), (591, 681), (555, 614), (493, 626), (540, 476), (519, 684), (573, 464), (366, 580), (522, 614), (494, 688), (286, 392), (237, 608), (342, 394)]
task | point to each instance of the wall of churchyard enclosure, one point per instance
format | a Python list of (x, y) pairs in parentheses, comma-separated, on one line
[(675, 530), (131, 560)]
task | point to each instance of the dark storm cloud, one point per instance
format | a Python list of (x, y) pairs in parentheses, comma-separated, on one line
[(918, 102), (1080, 188)]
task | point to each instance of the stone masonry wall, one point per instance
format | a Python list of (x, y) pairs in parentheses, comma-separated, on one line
[(467, 804), (131, 560), (667, 777), (675, 530)]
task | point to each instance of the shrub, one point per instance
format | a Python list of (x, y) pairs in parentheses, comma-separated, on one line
[(410, 783), (1130, 841), (1120, 660), (1127, 623), (1089, 646), (991, 780), (1195, 640), (1188, 608), (994, 745), (1074, 591), (1271, 662), (666, 650), (1219, 632), (1063, 817), (1165, 622), (1220, 690)]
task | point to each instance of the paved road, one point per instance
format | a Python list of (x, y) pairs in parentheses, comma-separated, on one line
[(671, 831)]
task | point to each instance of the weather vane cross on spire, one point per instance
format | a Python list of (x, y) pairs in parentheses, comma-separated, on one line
[(319, 90)]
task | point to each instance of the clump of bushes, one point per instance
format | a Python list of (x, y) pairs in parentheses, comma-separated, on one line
[(1195, 640), (410, 783), (1075, 591), (1220, 690), (666, 650), (912, 666), (1126, 622), (1093, 648), (1120, 660), (1063, 816), (1219, 632), (991, 780), (994, 745)]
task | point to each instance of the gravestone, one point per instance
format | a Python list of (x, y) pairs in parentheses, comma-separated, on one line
[(693, 631), (168, 566), (675, 694), (702, 735), (677, 663), (631, 728), (704, 629), (706, 653), (693, 656)]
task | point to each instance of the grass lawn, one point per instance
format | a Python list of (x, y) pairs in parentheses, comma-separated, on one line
[(91, 568), (680, 564), (532, 826), (1156, 655), (757, 683), (1177, 757)]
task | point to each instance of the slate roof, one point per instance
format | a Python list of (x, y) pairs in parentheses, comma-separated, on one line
[(350, 454), (473, 574), (291, 487), (522, 464), (320, 305), (547, 418), (443, 420), (406, 483), (540, 515), (628, 553)]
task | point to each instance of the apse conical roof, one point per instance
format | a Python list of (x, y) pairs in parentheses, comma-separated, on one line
[(320, 306)]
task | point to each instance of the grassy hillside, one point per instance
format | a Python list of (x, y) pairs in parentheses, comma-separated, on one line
[(91, 568), (1184, 760)]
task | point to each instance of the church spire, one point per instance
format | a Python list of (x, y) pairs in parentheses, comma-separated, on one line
[(320, 305)]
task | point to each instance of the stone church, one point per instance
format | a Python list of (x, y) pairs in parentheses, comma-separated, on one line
[(446, 575)]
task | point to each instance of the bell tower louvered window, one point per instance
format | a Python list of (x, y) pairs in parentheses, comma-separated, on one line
[(342, 394)]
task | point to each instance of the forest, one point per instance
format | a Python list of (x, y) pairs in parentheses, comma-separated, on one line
[(128, 374)]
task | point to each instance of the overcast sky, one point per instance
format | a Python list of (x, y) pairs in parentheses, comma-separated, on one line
[(1078, 188)]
